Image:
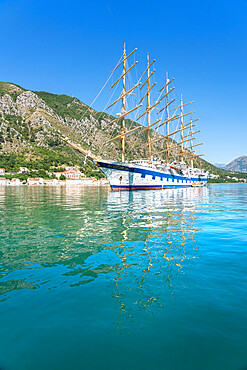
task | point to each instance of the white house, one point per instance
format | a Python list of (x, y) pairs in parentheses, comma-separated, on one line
[(72, 174), (213, 176), (35, 181), (76, 169), (3, 181), (51, 182), (15, 182), (2, 171)]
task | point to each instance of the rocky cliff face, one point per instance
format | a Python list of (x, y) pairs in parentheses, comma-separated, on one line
[(22, 122), (238, 164), (8, 106)]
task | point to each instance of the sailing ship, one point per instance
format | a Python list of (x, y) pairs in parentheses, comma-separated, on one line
[(153, 172)]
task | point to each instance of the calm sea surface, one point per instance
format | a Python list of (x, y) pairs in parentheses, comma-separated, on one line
[(91, 279)]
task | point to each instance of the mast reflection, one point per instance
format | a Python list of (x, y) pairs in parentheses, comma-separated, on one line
[(141, 241), (157, 232)]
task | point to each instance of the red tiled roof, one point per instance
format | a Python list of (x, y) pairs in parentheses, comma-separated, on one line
[(34, 179)]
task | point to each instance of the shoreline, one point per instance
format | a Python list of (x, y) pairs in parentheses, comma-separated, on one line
[(54, 182)]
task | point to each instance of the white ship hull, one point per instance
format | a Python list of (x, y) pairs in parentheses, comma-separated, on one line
[(128, 176)]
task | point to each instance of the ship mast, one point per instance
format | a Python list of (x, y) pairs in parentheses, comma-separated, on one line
[(167, 119), (149, 106), (123, 96), (123, 130), (191, 138), (191, 144), (170, 119), (182, 129), (149, 113), (124, 113), (149, 109), (182, 125)]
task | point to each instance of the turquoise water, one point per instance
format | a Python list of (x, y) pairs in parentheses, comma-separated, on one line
[(91, 279)]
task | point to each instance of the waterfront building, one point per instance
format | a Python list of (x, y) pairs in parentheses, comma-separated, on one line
[(72, 174), (58, 174), (89, 181), (35, 181), (51, 182), (15, 182), (3, 181)]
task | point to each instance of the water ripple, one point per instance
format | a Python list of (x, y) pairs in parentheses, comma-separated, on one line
[(171, 255)]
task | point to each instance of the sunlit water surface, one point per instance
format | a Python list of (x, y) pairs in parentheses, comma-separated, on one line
[(91, 279)]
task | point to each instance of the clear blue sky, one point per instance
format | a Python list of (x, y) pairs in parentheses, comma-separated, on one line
[(71, 46)]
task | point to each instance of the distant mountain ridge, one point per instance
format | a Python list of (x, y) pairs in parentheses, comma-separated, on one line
[(239, 164), (219, 165)]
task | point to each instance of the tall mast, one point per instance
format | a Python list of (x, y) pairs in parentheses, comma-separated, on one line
[(182, 129), (191, 144), (175, 117), (167, 118), (191, 137), (149, 106), (123, 130), (149, 112), (121, 116)]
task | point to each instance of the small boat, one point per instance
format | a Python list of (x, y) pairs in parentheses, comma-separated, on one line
[(197, 184)]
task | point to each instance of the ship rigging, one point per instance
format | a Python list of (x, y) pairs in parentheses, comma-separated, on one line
[(156, 171)]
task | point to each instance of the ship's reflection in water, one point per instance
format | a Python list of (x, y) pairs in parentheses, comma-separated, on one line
[(141, 243), (125, 280), (155, 244)]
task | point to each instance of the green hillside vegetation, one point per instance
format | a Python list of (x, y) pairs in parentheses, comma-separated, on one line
[(64, 105)]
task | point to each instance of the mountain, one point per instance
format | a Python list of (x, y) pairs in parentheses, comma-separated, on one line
[(239, 164), (219, 165), (34, 123)]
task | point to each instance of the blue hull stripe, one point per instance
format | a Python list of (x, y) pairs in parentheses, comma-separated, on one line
[(145, 172), (145, 187)]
